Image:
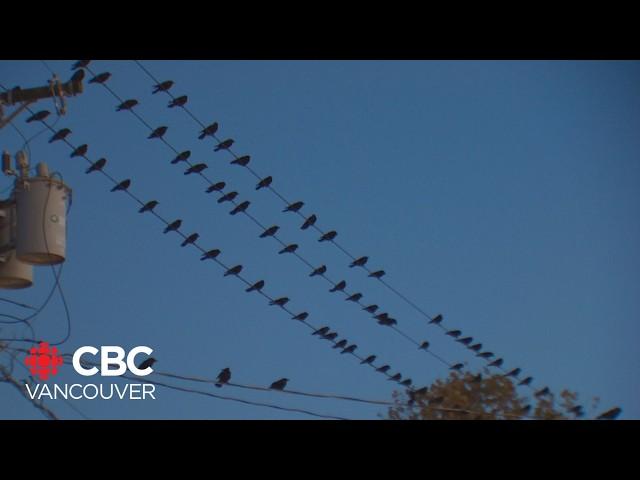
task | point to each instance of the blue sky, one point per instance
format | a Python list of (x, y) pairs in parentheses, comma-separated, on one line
[(501, 194)]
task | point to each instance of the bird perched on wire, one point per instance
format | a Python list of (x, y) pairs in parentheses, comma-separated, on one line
[(327, 237), (321, 270), (485, 355), (424, 345), (233, 270), (476, 348), (465, 340), (208, 131), (149, 206), (339, 287), (210, 255), (158, 132), (224, 145), (173, 226), (242, 207), (97, 166), (122, 186), (289, 248), (311, 220), (321, 331), (38, 117), (383, 369), (513, 373), (242, 161), (349, 349), (301, 316), (127, 105), (80, 64), (526, 381), (360, 262), (190, 239), (381, 316), (279, 384), (330, 336), (457, 367), (256, 287), (147, 363), (406, 383), (228, 197), (371, 308), (378, 274), (101, 78), (454, 333), (60, 135), (543, 392), (279, 302), (264, 183), (178, 102), (370, 359), (162, 87), (80, 151), (198, 168), (223, 377), (182, 157), (270, 232), (436, 320), (395, 378), (354, 298), (610, 414), (293, 207), (216, 187), (497, 363), (341, 344), (388, 322)]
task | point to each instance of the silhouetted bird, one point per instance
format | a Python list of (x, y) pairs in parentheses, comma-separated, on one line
[(224, 145), (233, 270), (526, 381), (197, 168), (242, 207), (340, 286), (330, 336), (122, 186), (178, 102), (97, 166), (147, 363), (457, 367), (497, 363), (100, 78), (264, 183), (173, 226), (294, 207), (210, 255), (162, 87), (289, 248), (383, 369), (242, 161), (311, 220), (182, 157), (543, 392), (371, 308), (476, 348), (149, 206), (80, 64), (321, 331), (208, 131), (279, 384), (190, 239), (378, 274), (340, 344), (301, 316), (270, 232), (465, 340), (610, 414), (280, 302), (381, 316), (319, 271), (424, 345), (216, 187), (360, 262), (454, 333), (406, 383), (223, 377), (127, 105), (349, 349), (228, 197), (369, 359), (327, 237), (256, 287), (395, 378), (436, 320), (60, 135), (513, 373), (158, 132), (485, 355), (354, 298), (388, 322), (80, 151)]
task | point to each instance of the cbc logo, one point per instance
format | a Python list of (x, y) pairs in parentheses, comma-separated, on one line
[(115, 357)]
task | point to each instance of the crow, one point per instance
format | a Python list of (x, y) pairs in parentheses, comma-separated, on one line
[(97, 166), (406, 383), (301, 316), (224, 145), (190, 239), (122, 186), (330, 336), (327, 237), (228, 197), (497, 363), (340, 344), (293, 207), (465, 340), (289, 248), (476, 348), (264, 183), (198, 168), (178, 102), (485, 355), (208, 131), (513, 373), (378, 274), (173, 226), (436, 320), (270, 232), (349, 349), (339, 287), (280, 302), (360, 262), (210, 255), (240, 208), (223, 377), (319, 271), (162, 87), (457, 367), (526, 381), (60, 135), (279, 384), (311, 220), (158, 133), (233, 270), (80, 151), (354, 298), (100, 78), (242, 161), (147, 363), (383, 369), (321, 331), (424, 345), (216, 187), (182, 157), (610, 414), (149, 206), (454, 333), (371, 308), (127, 105), (256, 287), (395, 378), (370, 359), (388, 322)]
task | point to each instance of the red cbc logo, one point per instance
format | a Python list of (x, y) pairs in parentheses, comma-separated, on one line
[(43, 361)]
